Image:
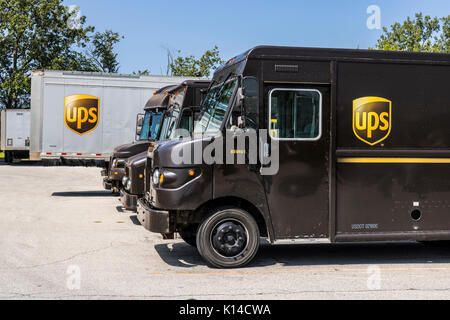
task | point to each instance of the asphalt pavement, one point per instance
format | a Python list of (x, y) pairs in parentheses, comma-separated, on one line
[(63, 237)]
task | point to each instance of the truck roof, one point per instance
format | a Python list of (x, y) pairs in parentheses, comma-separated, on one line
[(294, 53), (89, 74), (191, 83), (160, 98)]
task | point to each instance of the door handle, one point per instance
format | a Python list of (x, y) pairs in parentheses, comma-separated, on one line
[(266, 150), (264, 153)]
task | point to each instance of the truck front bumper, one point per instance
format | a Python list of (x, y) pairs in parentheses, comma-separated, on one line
[(107, 184), (154, 220), (129, 201)]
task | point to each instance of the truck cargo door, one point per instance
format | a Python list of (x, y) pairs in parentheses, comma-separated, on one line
[(297, 196), (17, 130)]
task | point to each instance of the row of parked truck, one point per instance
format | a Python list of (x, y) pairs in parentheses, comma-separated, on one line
[(339, 146), (296, 145)]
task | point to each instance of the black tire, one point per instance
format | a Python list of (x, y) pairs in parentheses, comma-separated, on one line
[(9, 157), (437, 243), (189, 237), (228, 238)]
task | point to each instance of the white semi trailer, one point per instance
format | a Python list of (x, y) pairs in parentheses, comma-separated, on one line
[(84, 115)]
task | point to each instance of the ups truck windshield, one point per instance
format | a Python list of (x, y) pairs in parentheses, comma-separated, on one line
[(151, 124), (215, 107)]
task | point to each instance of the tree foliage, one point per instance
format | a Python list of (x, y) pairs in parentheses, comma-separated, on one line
[(44, 34), (423, 33), (102, 51), (192, 67), (35, 34)]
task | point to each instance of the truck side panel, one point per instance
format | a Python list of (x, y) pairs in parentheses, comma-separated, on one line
[(120, 99), (400, 184)]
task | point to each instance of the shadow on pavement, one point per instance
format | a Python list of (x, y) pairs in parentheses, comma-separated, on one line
[(54, 163), (21, 163), (76, 194), (179, 255), (183, 255), (135, 220)]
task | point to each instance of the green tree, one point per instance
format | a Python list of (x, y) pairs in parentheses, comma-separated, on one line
[(36, 34), (192, 67), (424, 34), (444, 41), (102, 51)]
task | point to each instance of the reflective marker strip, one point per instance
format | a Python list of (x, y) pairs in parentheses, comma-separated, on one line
[(393, 160)]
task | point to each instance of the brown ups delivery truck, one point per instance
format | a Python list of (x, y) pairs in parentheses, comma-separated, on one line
[(183, 108), (147, 130), (356, 148)]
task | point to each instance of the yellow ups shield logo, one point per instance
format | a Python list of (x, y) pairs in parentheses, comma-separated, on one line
[(372, 119), (81, 113)]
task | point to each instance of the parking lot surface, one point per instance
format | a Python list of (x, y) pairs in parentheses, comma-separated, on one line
[(63, 237)]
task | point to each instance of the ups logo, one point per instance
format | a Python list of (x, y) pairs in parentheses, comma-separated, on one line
[(372, 119), (81, 113)]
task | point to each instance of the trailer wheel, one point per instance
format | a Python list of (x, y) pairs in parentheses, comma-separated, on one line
[(228, 238), (9, 157)]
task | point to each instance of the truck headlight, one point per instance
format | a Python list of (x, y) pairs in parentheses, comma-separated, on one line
[(124, 181), (155, 177), (174, 178), (128, 186)]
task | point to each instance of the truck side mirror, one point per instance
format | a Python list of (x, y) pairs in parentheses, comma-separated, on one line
[(240, 96), (139, 124), (240, 100), (249, 102), (140, 120)]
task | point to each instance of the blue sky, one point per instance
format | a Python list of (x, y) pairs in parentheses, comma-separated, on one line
[(234, 26)]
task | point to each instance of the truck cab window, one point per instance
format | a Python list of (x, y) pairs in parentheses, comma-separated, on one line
[(187, 120), (295, 114), (146, 126), (151, 125), (215, 106), (169, 123)]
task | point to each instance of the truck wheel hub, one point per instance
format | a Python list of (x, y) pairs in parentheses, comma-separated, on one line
[(229, 238)]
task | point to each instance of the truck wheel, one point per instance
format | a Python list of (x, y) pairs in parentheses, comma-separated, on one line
[(228, 238)]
